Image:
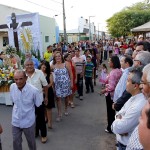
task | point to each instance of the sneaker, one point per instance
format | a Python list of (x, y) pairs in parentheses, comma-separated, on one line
[(81, 97), (108, 131), (43, 139), (92, 91)]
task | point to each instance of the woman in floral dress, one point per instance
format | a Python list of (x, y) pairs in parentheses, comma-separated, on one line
[(63, 82)]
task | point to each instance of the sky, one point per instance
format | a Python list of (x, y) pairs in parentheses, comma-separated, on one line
[(74, 9)]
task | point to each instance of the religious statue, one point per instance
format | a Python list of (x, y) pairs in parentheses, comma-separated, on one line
[(11, 59)]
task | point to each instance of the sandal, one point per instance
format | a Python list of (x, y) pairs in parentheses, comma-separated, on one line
[(69, 103), (58, 119), (50, 126), (72, 105), (66, 113)]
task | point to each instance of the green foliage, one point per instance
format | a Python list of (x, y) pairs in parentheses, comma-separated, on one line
[(10, 50), (122, 22), (139, 6)]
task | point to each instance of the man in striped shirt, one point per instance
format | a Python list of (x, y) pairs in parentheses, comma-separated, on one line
[(79, 62)]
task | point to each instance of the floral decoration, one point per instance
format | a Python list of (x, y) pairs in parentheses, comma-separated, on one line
[(6, 76)]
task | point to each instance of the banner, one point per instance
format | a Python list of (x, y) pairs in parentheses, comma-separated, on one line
[(29, 37)]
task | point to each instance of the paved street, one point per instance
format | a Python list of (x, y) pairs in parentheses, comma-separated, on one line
[(83, 129)]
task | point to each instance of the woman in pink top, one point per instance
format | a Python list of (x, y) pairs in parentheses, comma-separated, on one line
[(111, 82), (116, 49)]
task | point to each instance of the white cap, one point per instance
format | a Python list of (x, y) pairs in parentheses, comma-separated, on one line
[(140, 36)]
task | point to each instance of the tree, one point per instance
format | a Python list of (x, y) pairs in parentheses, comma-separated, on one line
[(122, 22)]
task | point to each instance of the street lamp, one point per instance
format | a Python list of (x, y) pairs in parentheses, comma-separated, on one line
[(90, 28)]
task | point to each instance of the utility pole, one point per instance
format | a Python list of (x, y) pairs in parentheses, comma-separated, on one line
[(64, 22), (98, 31), (79, 32), (90, 27)]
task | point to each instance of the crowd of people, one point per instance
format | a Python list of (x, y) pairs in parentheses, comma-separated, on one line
[(60, 76), (126, 89)]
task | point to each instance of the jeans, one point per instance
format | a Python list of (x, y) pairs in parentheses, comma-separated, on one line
[(89, 84), (80, 85)]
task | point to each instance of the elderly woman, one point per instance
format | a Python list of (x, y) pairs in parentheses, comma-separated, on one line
[(111, 83)]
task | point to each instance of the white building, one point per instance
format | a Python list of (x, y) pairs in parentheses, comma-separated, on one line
[(47, 27)]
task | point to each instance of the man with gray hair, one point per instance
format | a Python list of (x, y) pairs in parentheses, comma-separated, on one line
[(128, 52), (142, 58), (128, 117), (36, 78), (25, 97), (145, 86)]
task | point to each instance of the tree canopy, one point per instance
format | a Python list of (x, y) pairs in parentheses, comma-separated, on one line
[(122, 22)]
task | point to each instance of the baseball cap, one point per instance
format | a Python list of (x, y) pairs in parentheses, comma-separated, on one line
[(140, 36)]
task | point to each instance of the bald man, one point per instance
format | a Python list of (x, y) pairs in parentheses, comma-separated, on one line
[(25, 97)]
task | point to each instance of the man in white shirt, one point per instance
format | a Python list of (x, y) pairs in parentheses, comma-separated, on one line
[(134, 139), (128, 117), (144, 127), (142, 58), (37, 79), (25, 97)]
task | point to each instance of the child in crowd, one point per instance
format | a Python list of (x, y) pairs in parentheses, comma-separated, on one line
[(103, 75), (1, 130), (116, 49), (89, 74)]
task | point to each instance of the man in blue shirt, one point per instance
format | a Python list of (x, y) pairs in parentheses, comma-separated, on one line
[(25, 97), (35, 60)]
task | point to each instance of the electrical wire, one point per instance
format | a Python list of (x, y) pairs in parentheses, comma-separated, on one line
[(56, 1), (42, 6)]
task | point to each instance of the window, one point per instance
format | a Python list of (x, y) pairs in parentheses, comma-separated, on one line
[(5, 41), (46, 38)]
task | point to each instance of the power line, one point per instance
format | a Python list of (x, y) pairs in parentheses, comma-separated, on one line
[(42, 5), (56, 1)]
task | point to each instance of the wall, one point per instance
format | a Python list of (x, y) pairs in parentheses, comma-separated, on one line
[(1, 42), (47, 25)]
